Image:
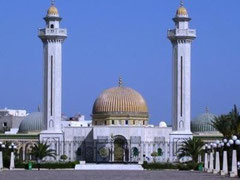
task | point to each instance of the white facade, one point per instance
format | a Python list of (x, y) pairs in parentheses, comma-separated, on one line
[(78, 121), (90, 140), (13, 112)]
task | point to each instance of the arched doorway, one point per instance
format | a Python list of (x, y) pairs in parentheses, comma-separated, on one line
[(120, 149)]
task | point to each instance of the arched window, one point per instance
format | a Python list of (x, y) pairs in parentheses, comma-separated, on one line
[(79, 151), (52, 26), (51, 124), (135, 151), (160, 153)]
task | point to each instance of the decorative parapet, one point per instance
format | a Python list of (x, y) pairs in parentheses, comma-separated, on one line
[(181, 33), (52, 32)]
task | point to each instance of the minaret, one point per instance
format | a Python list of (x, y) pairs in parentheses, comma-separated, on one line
[(52, 37), (181, 38)]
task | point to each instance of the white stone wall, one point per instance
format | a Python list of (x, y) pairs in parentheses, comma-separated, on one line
[(86, 138)]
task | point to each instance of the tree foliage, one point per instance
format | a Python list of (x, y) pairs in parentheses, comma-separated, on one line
[(63, 157), (191, 148), (42, 150), (228, 124)]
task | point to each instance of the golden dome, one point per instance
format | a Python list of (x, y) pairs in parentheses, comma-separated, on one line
[(52, 10), (120, 100), (182, 11)]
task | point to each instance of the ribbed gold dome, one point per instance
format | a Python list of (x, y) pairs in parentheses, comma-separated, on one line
[(52, 10), (118, 100), (182, 11)]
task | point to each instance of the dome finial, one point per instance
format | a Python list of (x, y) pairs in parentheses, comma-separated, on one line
[(120, 82), (181, 3), (53, 2), (207, 110), (38, 108)]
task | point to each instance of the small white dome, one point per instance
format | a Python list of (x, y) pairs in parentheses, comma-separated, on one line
[(162, 124)]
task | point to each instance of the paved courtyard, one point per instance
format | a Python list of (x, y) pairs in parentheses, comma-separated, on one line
[(104, 175)]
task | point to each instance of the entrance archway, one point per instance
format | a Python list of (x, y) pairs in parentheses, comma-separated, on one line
[(120, 149)]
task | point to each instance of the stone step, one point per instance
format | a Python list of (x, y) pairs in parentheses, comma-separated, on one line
[(108, 167)]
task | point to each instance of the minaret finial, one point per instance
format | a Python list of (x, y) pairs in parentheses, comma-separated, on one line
[(38, 108), (181, 3), (120, 82), (53, 2), (207, 110)]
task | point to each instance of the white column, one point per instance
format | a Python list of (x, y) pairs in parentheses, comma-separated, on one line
[(166, 155), (141, 153), (24, 152), (151, 147), (211, 163), (12, 165), (234, 171), (205, 161), (217, 164), (66, 146), (71, 150), (224, 170), (199, 158), (1, 161)]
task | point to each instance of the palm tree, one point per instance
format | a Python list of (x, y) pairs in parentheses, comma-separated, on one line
[(223, 124), (235, 119), (228, 124), (42, 150), (191, 148)]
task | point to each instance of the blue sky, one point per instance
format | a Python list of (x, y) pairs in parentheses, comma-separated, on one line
[(112, 38)]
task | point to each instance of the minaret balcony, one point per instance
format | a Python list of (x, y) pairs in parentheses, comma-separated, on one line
[(182, 34), (52, 32)]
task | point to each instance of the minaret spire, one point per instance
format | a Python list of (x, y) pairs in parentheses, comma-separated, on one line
[(53, 2), (181, 3), (120, 83), (207, 109)]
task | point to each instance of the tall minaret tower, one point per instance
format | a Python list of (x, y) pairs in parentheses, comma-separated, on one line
[(52, 37), (181, 38)]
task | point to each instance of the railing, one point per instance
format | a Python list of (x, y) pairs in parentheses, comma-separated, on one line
[(182, 32), (53, 32)]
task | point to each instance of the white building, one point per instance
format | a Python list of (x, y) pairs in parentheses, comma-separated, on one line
[(120, 130), (10, 120), (13, 112), (76, 121)]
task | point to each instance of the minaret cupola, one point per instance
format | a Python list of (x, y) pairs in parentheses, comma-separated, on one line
[(181, 11), (52, 11), (52, 18)]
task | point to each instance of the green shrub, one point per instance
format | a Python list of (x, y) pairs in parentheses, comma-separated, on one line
[(63, 157), (48, 165), (179, 166), (158, 166)]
